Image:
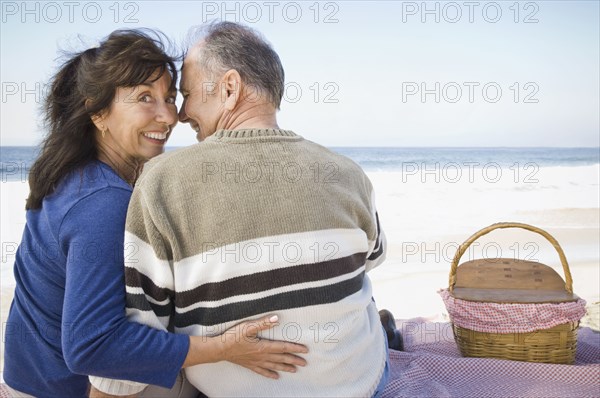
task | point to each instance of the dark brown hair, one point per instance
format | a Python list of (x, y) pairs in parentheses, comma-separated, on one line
[(85, 85)]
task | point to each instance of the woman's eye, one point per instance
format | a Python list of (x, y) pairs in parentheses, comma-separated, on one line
[(145, 98), (171, 100)]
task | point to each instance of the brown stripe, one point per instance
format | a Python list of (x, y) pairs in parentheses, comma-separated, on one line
[(282, 301), (261, 281), (134, 278), (139, 301)]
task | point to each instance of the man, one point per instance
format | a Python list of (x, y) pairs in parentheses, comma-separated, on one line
[(253, 221)]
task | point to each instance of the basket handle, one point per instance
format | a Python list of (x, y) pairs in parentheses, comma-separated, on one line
[(462, 248)]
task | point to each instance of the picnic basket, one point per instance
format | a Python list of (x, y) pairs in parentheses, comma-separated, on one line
[(513, 309)]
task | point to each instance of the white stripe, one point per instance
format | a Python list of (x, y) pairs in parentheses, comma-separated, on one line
[(144, 260), (373, 246), (139, 290), (217, 264), (270, 292), (147, 318)]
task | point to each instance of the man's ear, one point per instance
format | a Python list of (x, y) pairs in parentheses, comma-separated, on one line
[(231, 89)]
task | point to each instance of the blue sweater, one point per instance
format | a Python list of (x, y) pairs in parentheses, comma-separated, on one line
[(67, 319)]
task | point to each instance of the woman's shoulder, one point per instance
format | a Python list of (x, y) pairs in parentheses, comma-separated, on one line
[(92, 179), (93, 190)]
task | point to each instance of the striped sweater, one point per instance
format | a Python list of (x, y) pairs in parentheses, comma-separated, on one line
[(254, 222)]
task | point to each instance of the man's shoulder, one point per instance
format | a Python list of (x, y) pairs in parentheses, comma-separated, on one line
[(169, 162), (169, 156), (326, 155)]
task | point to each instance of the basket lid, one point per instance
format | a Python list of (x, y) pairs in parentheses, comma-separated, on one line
[(507, 280)]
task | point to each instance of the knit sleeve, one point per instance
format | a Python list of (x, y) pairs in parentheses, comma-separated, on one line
[(378, 246), (96, 338)]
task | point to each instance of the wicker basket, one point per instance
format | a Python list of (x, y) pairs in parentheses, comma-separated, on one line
[(508, 282)]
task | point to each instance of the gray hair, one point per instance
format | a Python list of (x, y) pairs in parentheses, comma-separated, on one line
[(229, 45)]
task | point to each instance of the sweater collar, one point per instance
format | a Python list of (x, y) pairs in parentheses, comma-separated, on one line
[(253, 133)]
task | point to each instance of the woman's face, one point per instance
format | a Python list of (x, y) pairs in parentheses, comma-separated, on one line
[(139, 120)]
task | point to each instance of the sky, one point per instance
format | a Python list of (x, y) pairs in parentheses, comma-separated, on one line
[(358, 73)]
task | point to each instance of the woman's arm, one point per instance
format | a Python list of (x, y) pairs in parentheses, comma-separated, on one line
[(96, 337), (238, 345)]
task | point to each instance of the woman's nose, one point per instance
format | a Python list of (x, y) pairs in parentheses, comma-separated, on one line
[(166, 114)]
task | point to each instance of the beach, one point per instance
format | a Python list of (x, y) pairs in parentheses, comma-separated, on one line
[(425, 215), (425, 220)]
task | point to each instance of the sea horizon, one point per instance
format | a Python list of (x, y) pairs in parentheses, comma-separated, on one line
[(16, 161), (397, 146)]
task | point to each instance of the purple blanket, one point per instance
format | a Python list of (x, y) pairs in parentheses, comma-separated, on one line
[(431, 366)]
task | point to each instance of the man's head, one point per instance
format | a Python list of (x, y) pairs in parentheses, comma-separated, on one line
[(229, 73)]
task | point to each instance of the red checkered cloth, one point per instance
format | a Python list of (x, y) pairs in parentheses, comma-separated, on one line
[(4, 391), (510, 318), (432, 366)]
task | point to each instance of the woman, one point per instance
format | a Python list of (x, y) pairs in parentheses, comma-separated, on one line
[(109, 110)]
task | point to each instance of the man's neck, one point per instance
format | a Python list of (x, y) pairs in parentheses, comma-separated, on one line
[(254, 117), (256, 123)]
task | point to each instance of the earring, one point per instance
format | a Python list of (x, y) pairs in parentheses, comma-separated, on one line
[(104, 132)]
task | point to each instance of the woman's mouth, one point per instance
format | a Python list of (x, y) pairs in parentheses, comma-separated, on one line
[(155, 136)]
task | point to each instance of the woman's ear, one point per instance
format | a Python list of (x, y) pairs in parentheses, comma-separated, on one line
[(98, 122), (98, 118), (231, 89)]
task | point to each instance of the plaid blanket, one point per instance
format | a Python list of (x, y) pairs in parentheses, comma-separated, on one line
[(431, 366)]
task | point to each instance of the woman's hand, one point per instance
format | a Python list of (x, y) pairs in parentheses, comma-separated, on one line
[(265, 357), (242, 346)]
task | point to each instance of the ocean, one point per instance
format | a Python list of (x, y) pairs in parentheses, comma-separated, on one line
[(15, 161)]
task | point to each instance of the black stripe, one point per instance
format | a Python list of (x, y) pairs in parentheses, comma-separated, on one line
[(378, 249), (377, 238), (261, 281), (139, 302), (134, 278), (377, 254), (295, 299)]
